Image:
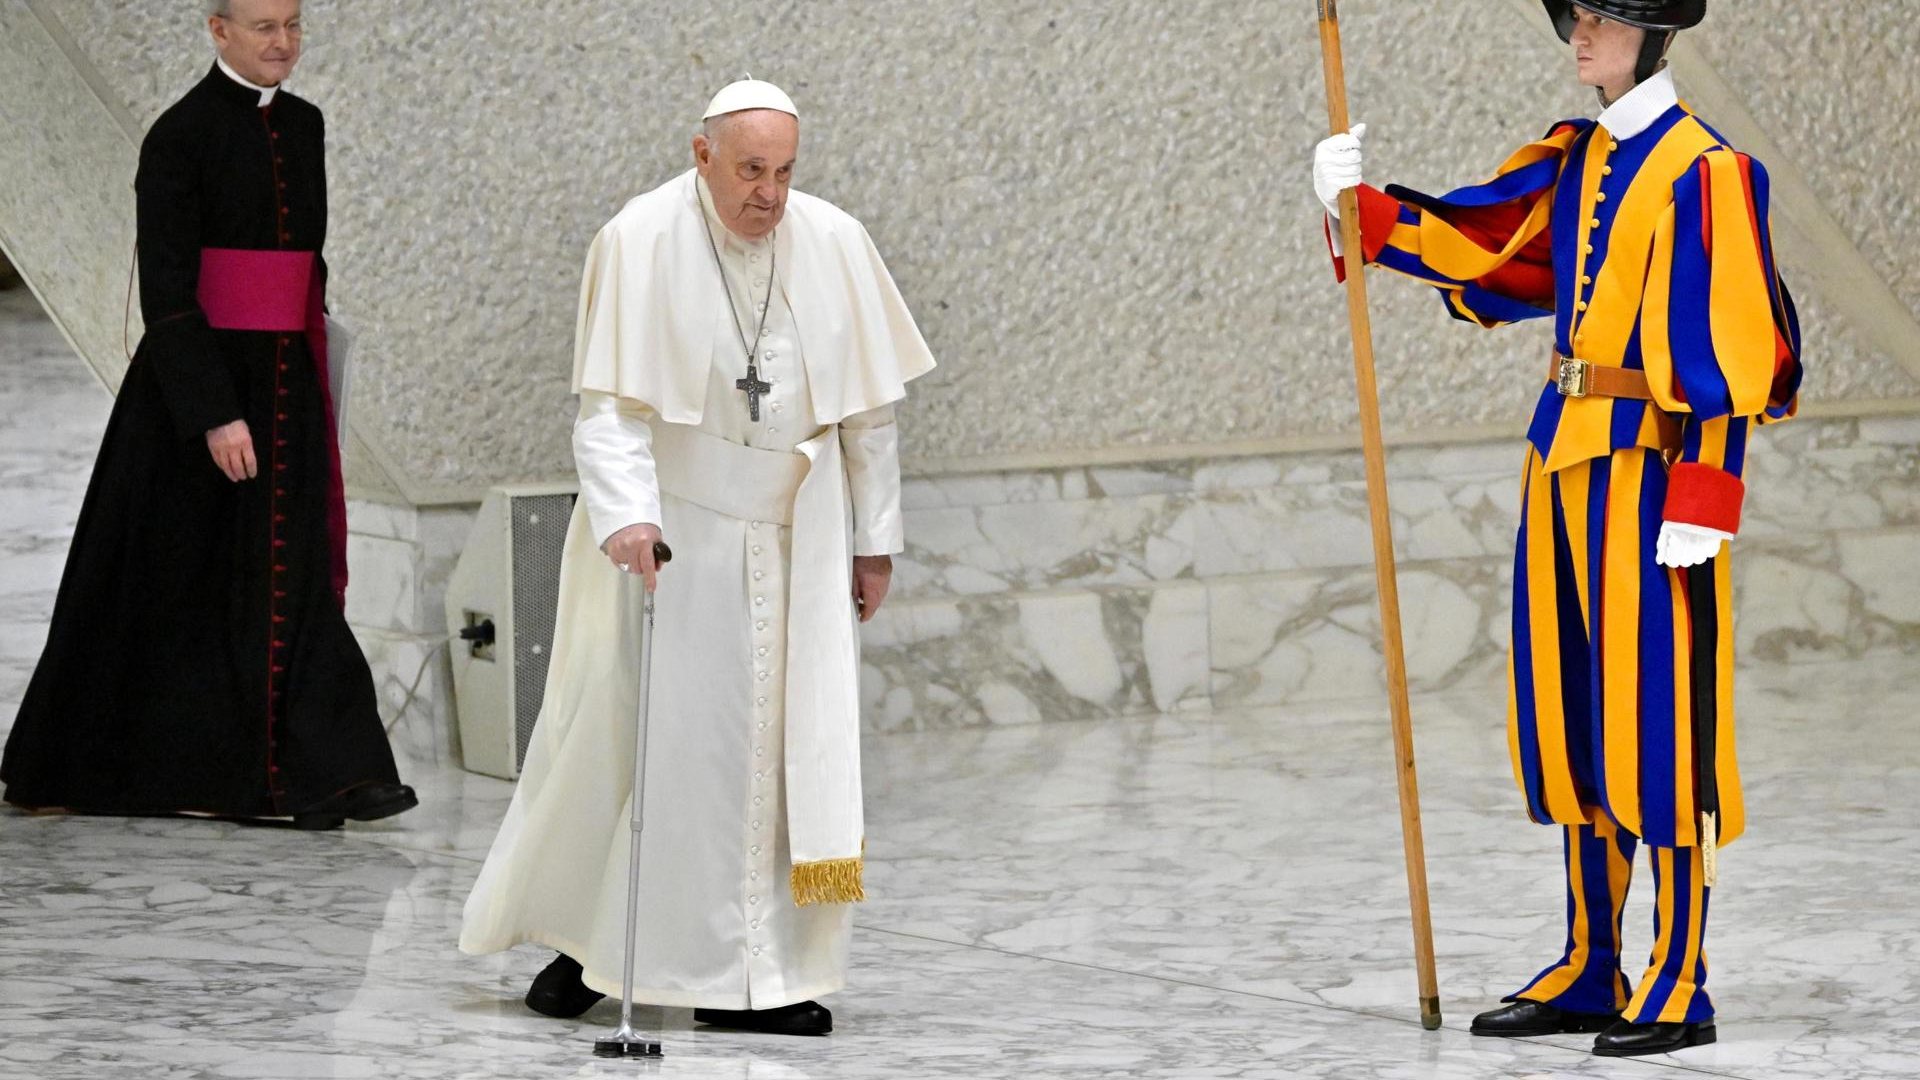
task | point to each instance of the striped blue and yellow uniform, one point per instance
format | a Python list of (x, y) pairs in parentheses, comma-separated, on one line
[(1650, 252)]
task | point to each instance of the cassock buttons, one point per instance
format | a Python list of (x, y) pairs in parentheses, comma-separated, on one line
[(1594, 223), (1587, 248), (763, 701), (756, 950), (753, 900), (761, 625), (758, 574), (755, 849), (759, 601), (1580, 305), (755, 924), (763, 676), (1599, 196), (757, 800), (756, 551)]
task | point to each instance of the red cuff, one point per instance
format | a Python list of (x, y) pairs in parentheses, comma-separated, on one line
[(1379, 213), (1705, 496)]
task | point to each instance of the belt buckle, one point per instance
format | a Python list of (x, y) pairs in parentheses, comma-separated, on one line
[(1574, 378)]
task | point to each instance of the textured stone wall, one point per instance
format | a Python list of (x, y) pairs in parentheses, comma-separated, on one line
[(1098, 210)]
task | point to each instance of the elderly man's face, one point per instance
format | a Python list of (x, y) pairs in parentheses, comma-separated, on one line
[(259, 39), (748, 165)]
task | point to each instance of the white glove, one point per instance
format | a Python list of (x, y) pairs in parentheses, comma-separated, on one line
[(1336, 167), (1681, 544)]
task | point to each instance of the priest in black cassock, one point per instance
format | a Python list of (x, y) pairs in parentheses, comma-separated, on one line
[(199, 659)]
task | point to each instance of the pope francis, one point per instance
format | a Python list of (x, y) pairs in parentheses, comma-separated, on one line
[(739, 351)]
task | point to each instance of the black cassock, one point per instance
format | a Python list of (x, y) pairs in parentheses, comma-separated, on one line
[(199, 658)]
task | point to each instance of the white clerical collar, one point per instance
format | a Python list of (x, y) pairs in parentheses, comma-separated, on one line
[(1639, 107), (727, 237), (266, 92)]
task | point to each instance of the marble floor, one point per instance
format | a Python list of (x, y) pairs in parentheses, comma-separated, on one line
[(1194, 896)]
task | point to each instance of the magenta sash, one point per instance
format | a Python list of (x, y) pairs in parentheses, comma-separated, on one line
[(255, 290), (278, 291)]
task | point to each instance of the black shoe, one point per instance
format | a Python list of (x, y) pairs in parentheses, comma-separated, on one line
[(558, 991), (1628, 1039), (803, 1018), (1525, 1018), (366, 802)]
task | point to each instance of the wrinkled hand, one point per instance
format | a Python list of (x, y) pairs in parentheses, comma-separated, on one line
[(232, 448), (631, 550), (1336, 167), (872, 575), (1682, 545)]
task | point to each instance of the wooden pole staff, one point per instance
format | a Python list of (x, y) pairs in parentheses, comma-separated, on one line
[(1383, 566)]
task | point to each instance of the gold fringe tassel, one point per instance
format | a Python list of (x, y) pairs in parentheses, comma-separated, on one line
[(835, 881), (1710, 848)]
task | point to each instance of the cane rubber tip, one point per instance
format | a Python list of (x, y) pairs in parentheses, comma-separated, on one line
[(1430, 1013), (626, 1048)]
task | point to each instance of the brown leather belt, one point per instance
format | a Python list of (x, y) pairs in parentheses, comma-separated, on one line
[(1581, 378)]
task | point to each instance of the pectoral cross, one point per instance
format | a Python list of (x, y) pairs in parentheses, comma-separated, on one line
[(753, 386)]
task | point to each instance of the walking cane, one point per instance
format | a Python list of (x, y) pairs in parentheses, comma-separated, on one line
[(1383, 568), (625, 1042)]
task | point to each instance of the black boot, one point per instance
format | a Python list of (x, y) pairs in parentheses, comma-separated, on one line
[(802, 1018), (1628, 1039), (558, 991), (366, 802), (1524, 1018)]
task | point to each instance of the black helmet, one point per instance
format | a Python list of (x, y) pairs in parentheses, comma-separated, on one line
[(1659, 18)]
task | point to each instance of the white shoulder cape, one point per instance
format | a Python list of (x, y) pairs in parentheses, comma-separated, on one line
[(654, 315)]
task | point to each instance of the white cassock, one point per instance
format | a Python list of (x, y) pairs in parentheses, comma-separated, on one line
[(753, 753)]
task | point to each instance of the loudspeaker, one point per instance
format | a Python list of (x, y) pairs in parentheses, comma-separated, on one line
[(501, 601)]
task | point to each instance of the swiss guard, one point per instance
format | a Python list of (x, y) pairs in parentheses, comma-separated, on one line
[(1645, 238)]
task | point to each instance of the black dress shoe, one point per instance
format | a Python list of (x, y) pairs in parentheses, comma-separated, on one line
[(1524, 1018), (801, 1018), (366, 802), (558, 991), (1628, 1039)]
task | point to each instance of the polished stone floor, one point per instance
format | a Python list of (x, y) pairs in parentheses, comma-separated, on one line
[(1193, 896)]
